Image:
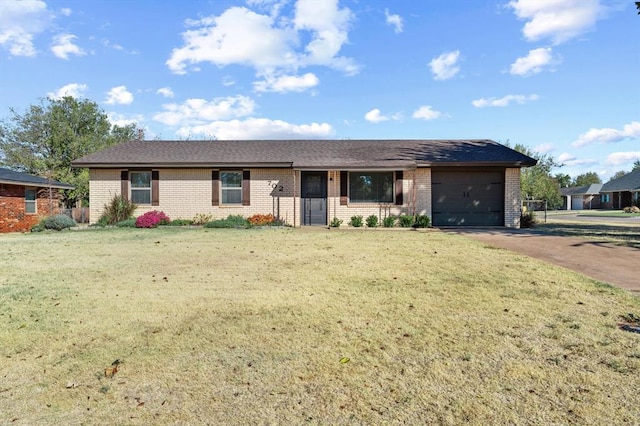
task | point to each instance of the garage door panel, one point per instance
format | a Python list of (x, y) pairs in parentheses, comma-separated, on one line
[(468, 198)]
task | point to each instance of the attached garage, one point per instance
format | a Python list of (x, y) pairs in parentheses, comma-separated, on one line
[(467, 198)]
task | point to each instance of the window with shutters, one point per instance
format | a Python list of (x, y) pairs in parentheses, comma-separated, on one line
[(231, 187), (140, 187), (371, 187)]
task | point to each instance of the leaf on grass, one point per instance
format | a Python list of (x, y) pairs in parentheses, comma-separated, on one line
[(110, 371), (71, 385), (344, 360)]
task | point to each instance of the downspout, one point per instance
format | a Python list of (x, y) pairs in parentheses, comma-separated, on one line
[(294, 198)]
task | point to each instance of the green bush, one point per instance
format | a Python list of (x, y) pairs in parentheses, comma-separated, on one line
[(356, 221), (180, 222), (406, 221), (335, 222), (117, 210), (389, 222), (59, 222), (232, 221), (527, 220), (372, 221), (422, 221), (129, 223), (38, 227)]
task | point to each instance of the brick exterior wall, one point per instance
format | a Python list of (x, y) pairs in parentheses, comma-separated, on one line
[(184, 193), (13, 217), (512, 200)]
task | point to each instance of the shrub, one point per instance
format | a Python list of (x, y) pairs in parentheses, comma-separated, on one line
[(632, 209), (262, 219), (527, 220), (389, 222), (152, 219), (129, 223), (117, 210), (372, 221), (38, 227), (201, 219), (59, 222), (356, 221), (181, 222), (422, 221), (335, 222), (406, 221), (232, 221)]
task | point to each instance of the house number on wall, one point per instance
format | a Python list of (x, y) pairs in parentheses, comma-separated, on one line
[(275, 186)]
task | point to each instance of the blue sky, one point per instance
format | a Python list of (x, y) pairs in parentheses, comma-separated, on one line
[(559, 76)]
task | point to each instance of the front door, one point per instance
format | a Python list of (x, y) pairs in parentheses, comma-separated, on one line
[(314, 198)]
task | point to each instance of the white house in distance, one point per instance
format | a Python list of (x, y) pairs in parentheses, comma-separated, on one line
[(310, 182)]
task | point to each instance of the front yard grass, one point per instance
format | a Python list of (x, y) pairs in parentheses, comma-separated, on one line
[(281, 326), (620, 234)]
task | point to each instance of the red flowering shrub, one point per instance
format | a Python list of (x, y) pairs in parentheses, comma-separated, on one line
[(152, 219), (262, 219)]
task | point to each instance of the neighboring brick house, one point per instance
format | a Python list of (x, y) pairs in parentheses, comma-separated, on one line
[(585, 197), (310, 182), (24, 199), (622, 192)]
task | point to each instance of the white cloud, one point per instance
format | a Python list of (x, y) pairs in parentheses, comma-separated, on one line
[(557, 20), (287, 83), (75, 90), (503, 101), (394, 20), (124, 120), (196, 112), (166, 92), (119, 95), (534, 62), (268, 43), (606, 135), (618, 158), (570, 160), (227, 80), (426, 112), (63, 46), (544, 148), (66, 11), (20, 22), (445, 66), (374, 116), (258, 128)]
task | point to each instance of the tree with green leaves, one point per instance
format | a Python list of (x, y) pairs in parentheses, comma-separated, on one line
[(536, 182), (636, 165), (45, 139), (564, 180), (587, 179)]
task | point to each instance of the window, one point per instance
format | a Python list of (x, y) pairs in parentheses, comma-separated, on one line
[(30, 196), (231, 187), (140, 187), (604, 198), (371, 187)]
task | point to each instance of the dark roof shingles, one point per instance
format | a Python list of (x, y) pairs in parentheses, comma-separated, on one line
[(20, 178), (308, 153), (628, 182)]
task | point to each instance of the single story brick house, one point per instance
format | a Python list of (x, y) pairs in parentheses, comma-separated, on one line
[(25, 198), (310, 182), (622, 192), (585, 197)]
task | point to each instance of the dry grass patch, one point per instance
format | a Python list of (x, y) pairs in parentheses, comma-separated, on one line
[(286, 326), (621, 234)]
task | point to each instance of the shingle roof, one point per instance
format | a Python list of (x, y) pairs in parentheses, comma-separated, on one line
[(628, 182), (18, 178), (592, 189), (322, 154)]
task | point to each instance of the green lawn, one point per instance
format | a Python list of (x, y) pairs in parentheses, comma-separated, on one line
[(606, 213), (282, 326)]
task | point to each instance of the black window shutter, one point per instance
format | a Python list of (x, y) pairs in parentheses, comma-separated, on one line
[(155, 188), (399, 194), (344, 188), (246, 188), (215, 188), (124, 184)]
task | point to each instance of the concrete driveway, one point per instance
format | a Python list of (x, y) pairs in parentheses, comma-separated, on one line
[(617, 265)]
